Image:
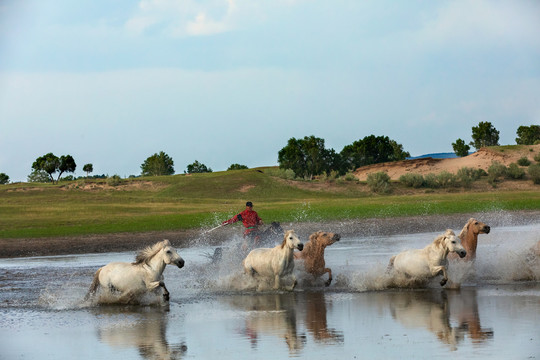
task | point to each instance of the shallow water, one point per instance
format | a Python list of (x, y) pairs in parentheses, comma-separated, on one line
[(215, 313)]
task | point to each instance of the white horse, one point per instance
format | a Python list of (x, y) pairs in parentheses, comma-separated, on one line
[(132, 280), (429, 261), (277, 262)]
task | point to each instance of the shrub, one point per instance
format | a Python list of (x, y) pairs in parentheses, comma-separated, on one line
[(534, 173), (523, 161), (466, 176), (447, 179), (478, 173), (412, 180), (515, 172), (114, 180), (379, 182), (431, 181), (537, 158), (496, 171), (349, 177), (287, 174)]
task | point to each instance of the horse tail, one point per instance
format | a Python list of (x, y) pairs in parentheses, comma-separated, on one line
[(94, 286), (391, 264)]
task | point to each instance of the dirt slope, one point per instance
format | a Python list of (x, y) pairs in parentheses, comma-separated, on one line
[(479, 160)]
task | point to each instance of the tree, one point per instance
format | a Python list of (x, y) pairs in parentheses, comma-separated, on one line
[(371, 150), (484, 134), (51, 164), (88, 168), (528, 135), (460, 148), (197, 168), (237, 167), (38, 176), (4, 179), (307, 157), (158, 164), (67, 164)]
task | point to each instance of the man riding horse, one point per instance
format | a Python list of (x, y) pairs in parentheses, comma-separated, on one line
[(251, 221)]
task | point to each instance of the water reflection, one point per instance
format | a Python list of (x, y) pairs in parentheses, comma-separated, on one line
[(316, 320), (436, 310), (141, 328), (271, 314)]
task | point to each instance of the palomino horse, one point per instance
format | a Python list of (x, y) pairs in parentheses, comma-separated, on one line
[(275, 262), (135, 279), (429, 261), (313, 254), (469, 237)]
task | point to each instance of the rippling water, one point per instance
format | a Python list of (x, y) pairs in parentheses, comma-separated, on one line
[(214, 313)]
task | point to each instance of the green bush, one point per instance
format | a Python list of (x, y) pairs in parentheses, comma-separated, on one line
[(523, 161), (537, 158), (496, 171), (478, 173), (534, 173), (447, 180), (349, 177), (412, 180), (379, 182), (287, 174), (431, 181), (114, 180), (515, 172), (466, 176)]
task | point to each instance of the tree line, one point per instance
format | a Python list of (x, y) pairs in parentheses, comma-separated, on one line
[(306, 157)]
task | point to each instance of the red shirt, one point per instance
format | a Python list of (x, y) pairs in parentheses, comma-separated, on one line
[(249, 218)]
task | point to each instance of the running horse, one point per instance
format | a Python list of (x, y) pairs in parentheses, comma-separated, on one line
[(469, 237), (313, 254), (430, 261), (132, 280), (275, 263)]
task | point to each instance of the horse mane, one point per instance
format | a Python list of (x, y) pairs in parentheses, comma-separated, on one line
[(465, 229), (149, 252), (439, 239), (284, 242)]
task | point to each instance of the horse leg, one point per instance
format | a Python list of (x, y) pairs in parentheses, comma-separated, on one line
[(276, 282), (329, 271), (127, 297), (166, 294), (438, 270), (294, 282)]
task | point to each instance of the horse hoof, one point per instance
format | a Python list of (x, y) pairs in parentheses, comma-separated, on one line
[(443, 282), (166, 297), (327, 283)]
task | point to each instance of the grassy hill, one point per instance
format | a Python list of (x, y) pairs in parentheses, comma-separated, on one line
[(203, 200)]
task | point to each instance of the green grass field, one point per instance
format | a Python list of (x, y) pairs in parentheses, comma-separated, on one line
[(204, 200)]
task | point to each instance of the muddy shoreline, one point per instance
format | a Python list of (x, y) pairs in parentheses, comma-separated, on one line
[(120, 242)]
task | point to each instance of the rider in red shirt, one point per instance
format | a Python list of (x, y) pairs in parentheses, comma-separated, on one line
[(251, 221)]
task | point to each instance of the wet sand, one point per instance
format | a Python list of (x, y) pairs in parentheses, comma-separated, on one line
[(185, 238)]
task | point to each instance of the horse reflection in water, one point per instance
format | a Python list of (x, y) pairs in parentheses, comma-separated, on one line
[(271, 314), (144, 330), (434, 311), (316, 321)]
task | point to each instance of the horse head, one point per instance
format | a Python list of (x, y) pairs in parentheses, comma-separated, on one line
[(292, 241), (170, 256), (477, 227), (451, 242), (324, 238)]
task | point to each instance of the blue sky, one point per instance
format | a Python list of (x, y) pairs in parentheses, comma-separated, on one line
[(113, 82)]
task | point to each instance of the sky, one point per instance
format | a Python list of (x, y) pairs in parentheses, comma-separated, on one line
[(112, 82)]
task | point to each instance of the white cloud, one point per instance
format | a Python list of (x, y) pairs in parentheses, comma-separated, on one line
[(481, 22)]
